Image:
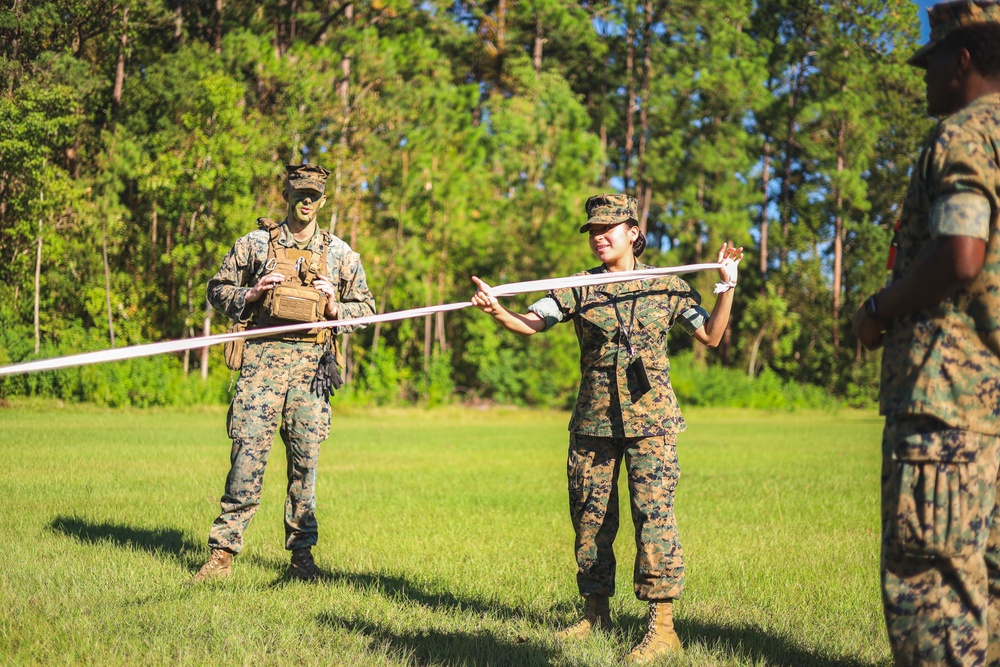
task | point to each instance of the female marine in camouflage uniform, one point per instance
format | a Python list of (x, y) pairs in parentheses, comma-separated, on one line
[(625, 411)]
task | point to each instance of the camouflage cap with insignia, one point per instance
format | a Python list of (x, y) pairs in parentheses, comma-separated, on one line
[(946, 17), (306, 176), (609, 209)]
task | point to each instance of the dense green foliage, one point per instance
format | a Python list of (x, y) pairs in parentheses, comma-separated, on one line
[(447, 538), (140, 138)]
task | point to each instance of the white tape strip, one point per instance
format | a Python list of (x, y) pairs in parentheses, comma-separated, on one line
[(149, 349)]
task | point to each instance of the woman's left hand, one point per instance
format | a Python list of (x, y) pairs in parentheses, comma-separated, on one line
[(730, 257)]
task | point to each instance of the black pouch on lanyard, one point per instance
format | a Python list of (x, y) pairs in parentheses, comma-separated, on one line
[(636, 376), (635, 372)]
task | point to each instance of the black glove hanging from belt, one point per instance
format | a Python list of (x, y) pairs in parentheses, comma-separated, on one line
[(327, 378)]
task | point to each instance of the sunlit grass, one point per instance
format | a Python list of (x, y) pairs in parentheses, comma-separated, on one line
[(446, 535)]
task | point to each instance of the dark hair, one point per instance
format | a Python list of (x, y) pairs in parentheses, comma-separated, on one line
[(639, 245), (983, 44)]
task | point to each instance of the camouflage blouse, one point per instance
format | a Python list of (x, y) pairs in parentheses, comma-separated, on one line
[(945, 361), (612, 402), (243, 266)]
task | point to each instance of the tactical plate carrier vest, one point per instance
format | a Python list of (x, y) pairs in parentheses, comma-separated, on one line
[(294, 300)]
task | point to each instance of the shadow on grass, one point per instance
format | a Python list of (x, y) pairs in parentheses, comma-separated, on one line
[(429, 646), (168, 542), (402, 589), (748, 642)]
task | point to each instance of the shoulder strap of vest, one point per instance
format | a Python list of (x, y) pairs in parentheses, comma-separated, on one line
[(274, 231), (317, 260)]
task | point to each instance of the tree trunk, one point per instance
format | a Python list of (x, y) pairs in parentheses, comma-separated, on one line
[(116, 95), (428, 322), (442, 281), (643, 190), (786, 183), (392, 258), (218, 25), (343, 90), (15, 47), (107, 278), (838, 238), (604, 132), (752, 366), (152, 235), (536, 52), (38, 276), (206, 329), (179, 21), (189, 324), (629, 103), (348, 351), (766, 181)]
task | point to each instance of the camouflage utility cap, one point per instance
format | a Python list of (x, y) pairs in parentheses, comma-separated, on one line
[(307, 176), (946, 17), (609, 210)]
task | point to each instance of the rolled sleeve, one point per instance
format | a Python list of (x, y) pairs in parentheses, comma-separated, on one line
[(548, 309), (961, 214), (693, 318)]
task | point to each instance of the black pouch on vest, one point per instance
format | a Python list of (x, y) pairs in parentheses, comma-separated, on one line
[(638, 381)]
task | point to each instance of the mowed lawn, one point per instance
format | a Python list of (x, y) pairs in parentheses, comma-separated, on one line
[(446, 537)]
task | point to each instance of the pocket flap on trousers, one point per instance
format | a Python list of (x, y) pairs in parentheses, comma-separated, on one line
[(949, 445)]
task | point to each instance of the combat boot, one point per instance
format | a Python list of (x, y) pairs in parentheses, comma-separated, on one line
[(303, 567), (218, 566), (596, 616), (660, 638)]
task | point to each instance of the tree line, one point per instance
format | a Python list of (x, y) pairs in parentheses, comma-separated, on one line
[(140, 138)]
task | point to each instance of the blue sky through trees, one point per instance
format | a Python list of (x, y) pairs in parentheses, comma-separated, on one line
[(924, 4)]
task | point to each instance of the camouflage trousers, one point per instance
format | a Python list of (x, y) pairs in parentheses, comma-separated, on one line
[(940, 544), (273, 386), (653, 471)]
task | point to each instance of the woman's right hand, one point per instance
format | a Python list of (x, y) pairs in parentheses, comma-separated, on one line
[(483, 299)]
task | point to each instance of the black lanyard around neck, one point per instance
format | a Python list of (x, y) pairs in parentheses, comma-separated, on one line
[(626, 331)]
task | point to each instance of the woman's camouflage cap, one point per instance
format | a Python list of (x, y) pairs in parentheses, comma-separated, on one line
[(306, 176), (609, 209), (946, 17)]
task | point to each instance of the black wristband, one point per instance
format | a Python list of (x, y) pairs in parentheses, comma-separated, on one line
[(871, 309)]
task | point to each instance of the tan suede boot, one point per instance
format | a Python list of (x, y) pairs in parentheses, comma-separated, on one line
[(218, 566), (303, 567), (660, 638), (596, 616)]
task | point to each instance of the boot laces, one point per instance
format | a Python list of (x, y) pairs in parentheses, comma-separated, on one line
[(650, 632)]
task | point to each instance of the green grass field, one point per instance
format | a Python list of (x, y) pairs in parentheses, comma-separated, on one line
[(446, 535)]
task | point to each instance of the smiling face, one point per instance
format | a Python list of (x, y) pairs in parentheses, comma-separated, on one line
[(304, 204), (613, 244)]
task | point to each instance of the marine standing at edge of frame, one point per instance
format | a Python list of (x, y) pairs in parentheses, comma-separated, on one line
[(286, 378), (626, 411), (939, 319)]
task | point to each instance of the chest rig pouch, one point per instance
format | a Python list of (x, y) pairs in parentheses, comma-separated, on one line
[(294, 300)]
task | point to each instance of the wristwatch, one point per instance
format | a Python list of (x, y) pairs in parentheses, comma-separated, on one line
[(871, 309)]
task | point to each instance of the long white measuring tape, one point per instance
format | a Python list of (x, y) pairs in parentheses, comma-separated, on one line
[(149, 349)]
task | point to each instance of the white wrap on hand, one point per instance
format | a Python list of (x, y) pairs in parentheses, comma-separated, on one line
[(730, 268)]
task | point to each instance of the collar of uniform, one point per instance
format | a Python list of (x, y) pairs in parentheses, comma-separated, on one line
[(614, 289), (993, 99), (286, 240)]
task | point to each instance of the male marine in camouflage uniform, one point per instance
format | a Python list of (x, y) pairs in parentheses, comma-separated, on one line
[(275, 377), (939, 319), (624, 414)]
